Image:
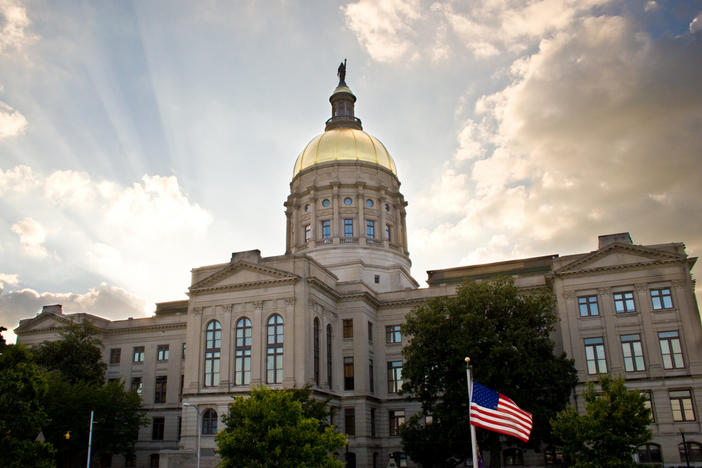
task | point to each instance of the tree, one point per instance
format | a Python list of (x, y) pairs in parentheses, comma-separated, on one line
[(615, 423), (506, 333), (75, 374), (276, 428), (77, 355), (22, 417)]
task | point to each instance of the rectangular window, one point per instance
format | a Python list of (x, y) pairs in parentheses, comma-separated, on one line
[(115, 355), (348, 373), (326, 229), (671, 350), (130, 461), (180, 427), (350, 421), (157, 426), (371, 376), (180, 393), (370, 229), (183, 352), (394, 376), (648, 403), (681, 403), (348, 328), (370, 332), (137, 385), (396, 418), (160, 389), (387, 232), (661, 299), (348, 228), (308, 233), (624, 302), (595, 356), (372, 421), (393, 334), (162, 352), (588, 306), (138, 354), (633, 353)]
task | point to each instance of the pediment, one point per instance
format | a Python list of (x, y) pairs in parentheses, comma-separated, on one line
[(42, 322), (619, 256), (242, 275)]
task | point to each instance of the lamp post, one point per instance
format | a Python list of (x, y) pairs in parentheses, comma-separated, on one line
[(90, 438), (197, 423)]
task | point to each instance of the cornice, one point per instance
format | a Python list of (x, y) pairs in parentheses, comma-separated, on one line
[(239, 286), (115, 331), (624, 267)]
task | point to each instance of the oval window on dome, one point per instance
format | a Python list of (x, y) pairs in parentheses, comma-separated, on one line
[(387, 207), (369, 203), (307, 207), (347, 201), (325, 202)]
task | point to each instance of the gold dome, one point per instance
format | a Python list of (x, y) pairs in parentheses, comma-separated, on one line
[(344, 144)]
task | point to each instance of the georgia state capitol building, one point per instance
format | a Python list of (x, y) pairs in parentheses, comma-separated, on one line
[(328, 313)]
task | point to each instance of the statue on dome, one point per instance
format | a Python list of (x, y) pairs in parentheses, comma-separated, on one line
[(341, 73)]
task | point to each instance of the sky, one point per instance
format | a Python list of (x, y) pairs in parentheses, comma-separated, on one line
[(139, 140)]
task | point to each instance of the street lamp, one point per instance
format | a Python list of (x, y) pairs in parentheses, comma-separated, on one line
[(197, 423)]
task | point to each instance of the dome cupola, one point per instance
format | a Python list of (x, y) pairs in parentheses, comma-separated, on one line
[(345, 209)]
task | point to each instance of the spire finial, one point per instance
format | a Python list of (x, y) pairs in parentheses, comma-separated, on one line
[(341, 73)]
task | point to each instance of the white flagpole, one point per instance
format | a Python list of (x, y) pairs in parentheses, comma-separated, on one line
[(473, 443)]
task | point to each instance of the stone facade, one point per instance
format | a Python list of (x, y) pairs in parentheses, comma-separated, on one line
[(326, 313)]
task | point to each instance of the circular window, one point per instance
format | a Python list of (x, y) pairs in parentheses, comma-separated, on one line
[(307, 207), (325, 203), (387, 207), (347, 201), (369, 203)]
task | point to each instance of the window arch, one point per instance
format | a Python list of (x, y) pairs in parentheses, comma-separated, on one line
[(242, 352), (316, 350), (329, 356), (209, 422), (650, 453), (694, 452), (274, 350), (213, 348)]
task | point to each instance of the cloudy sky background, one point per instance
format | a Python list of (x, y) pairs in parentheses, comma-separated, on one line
[(141, 139)]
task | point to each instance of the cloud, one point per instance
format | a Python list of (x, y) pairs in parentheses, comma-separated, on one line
[(597, 132), (6, 278), (124, 234), (390, 29), (12, 123), (31, 236), (383, 27), (14, 23), (106, 301), (696, 24)]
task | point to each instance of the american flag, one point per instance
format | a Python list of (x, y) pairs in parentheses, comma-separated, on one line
[(495, 412)]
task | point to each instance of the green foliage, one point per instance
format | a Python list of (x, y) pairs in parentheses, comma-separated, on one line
[(614, 425), (277, 428), (76, 356), (75, 374), (22, 417), (506, 333)]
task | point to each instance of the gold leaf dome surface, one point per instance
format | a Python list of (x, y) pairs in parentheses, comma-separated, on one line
[(344, 144)]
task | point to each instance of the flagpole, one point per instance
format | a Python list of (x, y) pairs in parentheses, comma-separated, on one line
[(473, 443)]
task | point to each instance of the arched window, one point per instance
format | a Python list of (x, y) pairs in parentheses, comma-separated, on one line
[(513, 456), (329, 356), (651, 453), (350, 460), (274, 354), (209, 422), (316, 351), (694, 452), (213, 347), (242, 352)]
